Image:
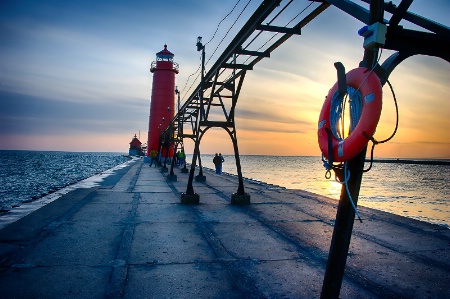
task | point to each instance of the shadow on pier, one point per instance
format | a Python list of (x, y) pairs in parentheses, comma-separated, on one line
[(132, 238)]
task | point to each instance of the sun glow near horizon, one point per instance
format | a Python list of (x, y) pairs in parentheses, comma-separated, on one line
[(72, 85)]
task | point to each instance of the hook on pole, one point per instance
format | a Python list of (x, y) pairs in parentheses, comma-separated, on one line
[(342, 83)]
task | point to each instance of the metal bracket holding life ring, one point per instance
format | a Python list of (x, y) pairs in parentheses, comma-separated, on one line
[(360, 82)]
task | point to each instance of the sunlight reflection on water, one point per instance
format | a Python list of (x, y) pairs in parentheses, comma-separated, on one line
[(416, 191)]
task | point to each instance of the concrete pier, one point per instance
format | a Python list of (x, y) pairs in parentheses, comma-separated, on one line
[(132, 238)]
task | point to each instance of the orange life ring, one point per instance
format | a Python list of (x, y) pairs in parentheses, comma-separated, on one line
[(369, 86)]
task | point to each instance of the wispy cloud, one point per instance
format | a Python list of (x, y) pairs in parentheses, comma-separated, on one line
[(81, 68)]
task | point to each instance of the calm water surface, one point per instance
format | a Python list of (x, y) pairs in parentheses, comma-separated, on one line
[(412, 190)]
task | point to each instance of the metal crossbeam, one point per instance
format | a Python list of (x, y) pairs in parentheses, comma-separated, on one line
[(237, 66), (278, 29), (252, 53), (400, 12)]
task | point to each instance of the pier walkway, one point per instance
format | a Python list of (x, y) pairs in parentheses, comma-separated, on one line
[(131, 238)]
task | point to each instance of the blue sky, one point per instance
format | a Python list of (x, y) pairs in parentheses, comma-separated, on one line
[(74, 75)]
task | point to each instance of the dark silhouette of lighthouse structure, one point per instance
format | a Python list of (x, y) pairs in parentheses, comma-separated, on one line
[(162, 105)]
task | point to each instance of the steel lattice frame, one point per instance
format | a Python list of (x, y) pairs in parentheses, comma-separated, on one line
[(223, 82)]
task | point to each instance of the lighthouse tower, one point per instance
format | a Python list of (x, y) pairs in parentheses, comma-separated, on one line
[(162, 106)]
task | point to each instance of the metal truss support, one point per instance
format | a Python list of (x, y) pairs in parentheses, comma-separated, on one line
[(216, 110), (240, 197), (172, 176), (201, 112), (190, 197)]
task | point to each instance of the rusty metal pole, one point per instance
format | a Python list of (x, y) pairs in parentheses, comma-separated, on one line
[(345, 216)]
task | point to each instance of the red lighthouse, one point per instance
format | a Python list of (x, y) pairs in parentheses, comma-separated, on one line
[(162, 106)]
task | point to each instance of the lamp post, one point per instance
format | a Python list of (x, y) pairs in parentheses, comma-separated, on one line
[(178, 102), (180, 128), (190, 197), (200, 47), (160, 144)]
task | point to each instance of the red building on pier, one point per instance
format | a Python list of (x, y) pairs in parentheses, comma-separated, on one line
[(135, 147)]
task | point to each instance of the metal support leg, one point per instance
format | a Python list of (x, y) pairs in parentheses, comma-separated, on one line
[(340, 242), (200, 177), (164, 168), (190, 197), (240, 197), (172, 176), (184, 169)]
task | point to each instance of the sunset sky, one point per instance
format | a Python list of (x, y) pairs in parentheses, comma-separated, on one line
[(74, 76)]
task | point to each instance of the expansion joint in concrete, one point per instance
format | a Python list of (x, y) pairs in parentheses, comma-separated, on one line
[(135, 178), (120, 264), (231, 263)]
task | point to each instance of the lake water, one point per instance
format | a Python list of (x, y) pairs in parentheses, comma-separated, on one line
[(413, 190), (28, 174)]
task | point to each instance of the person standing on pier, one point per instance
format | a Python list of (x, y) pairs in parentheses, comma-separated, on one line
[(181, 157), (217, 162), (221, 161), (153, 155)]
